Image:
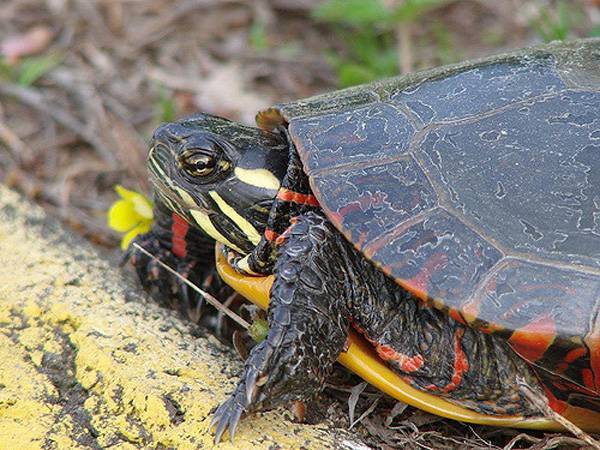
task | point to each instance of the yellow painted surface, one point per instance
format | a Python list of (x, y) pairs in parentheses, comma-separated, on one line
[(361, 358), (76, 356)]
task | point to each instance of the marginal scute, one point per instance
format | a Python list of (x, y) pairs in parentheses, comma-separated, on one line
[(370, 202), (322, 104), (543, 305), (364, 134)]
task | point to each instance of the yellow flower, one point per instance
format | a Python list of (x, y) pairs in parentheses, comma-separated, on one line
[(131, 215)]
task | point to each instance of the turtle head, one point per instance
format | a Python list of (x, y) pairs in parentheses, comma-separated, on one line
[(219, 175)]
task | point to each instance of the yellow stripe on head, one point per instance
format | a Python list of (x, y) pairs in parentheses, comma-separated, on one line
[(204, 222), (187, 198), (261, 178), (248, 229)]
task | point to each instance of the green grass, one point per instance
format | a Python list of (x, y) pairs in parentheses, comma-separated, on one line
[(368, 28), (165, 108), (556, 21), (29, 70)]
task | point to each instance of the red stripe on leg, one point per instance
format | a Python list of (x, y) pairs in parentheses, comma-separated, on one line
[(270, 235), (179, 228), (283, 236), (296, 197), (461, 363), (460, 366)]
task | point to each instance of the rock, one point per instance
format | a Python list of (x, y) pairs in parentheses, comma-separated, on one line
[(87, 362)]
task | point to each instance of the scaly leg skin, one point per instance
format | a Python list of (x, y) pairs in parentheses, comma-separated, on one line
[(303, 342), (322, 287), (183, 248)]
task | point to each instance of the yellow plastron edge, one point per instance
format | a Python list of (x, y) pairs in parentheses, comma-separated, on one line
[(361, 358)]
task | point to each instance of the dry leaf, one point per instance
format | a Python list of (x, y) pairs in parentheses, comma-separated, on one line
[(35, 40)]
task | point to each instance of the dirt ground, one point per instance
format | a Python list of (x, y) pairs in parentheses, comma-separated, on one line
[(84, 82)]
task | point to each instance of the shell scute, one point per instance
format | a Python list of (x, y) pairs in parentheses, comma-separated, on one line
[(546, 322), (460, 95), (526, 178), (367, 133), (438, 257), (371, 201)]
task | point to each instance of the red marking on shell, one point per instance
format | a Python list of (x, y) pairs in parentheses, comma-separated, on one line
[(363, 203), (557, 405), (270, 235), (456, 316), (574, 354), (420, 282), (179, 229), (296, 197), (588, 378), (471, 307), (532, 340)]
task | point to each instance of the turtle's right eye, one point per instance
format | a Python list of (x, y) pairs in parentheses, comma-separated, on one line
[(197, 164)]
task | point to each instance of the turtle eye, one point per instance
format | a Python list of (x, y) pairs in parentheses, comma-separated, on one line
[(197, 164)]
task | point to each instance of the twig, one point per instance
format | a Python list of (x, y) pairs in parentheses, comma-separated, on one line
[(36, 100), (157, 29), (542, 405), (18, 148), (209, 298), (405, 55)]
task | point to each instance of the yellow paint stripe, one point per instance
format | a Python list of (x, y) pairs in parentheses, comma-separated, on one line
[(204, 222), (261, 178), (249, 230)]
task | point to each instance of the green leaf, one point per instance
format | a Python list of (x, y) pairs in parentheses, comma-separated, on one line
[(34, 67), (6, 72), (167, 110), (258, 330), (351, 74), (446, 50), (352, 12), (258, 37), (410, 10), (555, 24)]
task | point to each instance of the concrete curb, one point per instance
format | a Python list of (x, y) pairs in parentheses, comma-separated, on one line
[(87, 363)]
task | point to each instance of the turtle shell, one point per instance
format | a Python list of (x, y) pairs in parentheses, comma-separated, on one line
[(477, 188)]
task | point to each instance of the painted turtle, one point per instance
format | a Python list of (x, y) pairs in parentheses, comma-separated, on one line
[(451, 217)]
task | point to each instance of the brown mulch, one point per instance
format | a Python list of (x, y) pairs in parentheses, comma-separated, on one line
[(116, 67)]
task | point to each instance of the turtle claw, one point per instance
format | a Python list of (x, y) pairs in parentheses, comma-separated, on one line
[(250, 382), (227, 416)]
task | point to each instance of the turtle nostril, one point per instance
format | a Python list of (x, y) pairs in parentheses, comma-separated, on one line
[(170, 133), (161, 134)]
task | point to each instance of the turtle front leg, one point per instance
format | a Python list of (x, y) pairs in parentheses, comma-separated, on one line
[(307, 329)]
